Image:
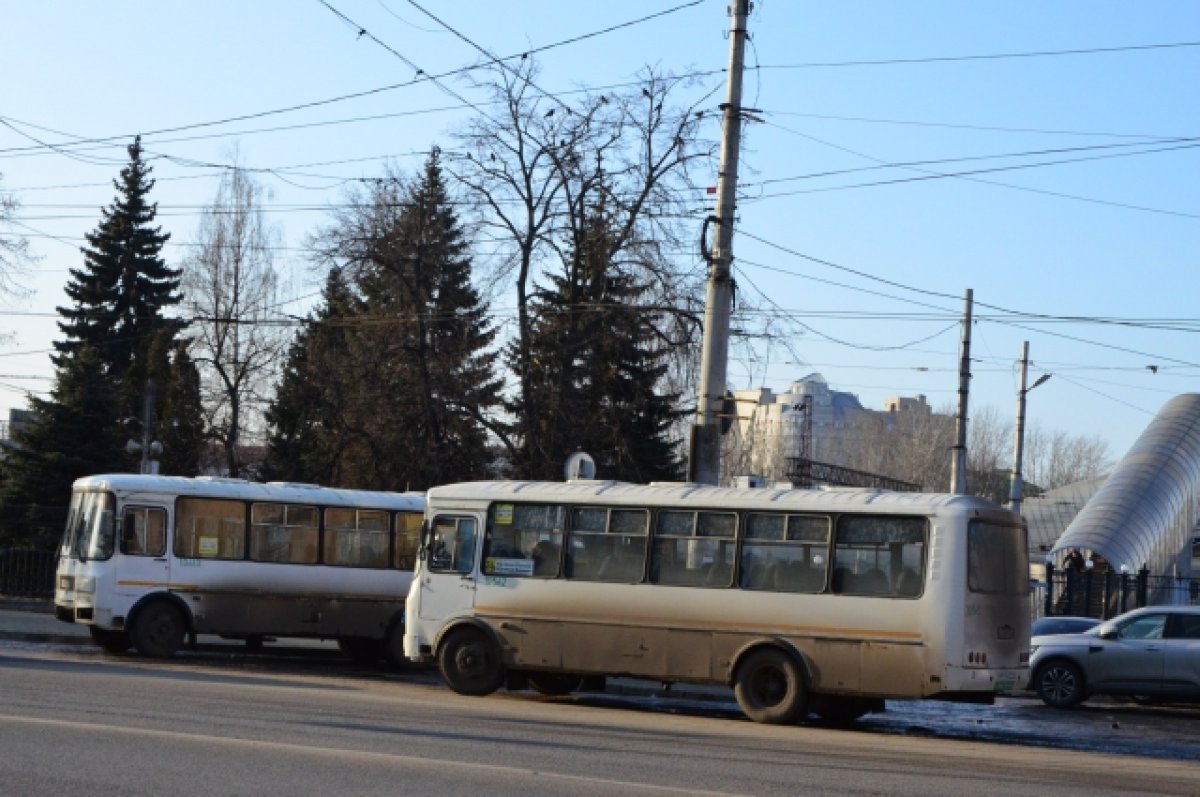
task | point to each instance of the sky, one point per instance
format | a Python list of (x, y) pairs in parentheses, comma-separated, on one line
[(1041, 154)]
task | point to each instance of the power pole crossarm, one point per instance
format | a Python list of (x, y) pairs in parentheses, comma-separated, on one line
[(705, 462)]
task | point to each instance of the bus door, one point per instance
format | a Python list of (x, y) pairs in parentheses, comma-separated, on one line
[(448, 582), (142, 545)]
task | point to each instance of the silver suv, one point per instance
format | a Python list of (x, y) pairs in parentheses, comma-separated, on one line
[(1152, 653)]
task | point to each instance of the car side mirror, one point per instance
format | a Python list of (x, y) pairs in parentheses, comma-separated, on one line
[(1108, 633)]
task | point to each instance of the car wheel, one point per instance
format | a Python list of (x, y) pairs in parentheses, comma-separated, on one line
[(1060, 684), (770, 688)]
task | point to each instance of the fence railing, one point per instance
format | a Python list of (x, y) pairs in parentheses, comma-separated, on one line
[(27, 572), (1105, 594)]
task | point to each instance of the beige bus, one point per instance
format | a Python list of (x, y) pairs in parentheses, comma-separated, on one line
[(820, 600)]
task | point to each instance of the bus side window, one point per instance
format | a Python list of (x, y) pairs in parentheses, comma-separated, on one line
[(452, 546), (130, 544), (143, 532)]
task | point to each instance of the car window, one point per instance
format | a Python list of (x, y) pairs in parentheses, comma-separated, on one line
[(1062, 625), (1148, 626), (1187, 626)]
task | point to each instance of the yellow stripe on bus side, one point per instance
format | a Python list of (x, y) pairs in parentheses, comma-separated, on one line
[(182, 587)]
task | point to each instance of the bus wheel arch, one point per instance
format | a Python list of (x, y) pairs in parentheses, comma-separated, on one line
[(158, 624), (468, 655), (771, 683)]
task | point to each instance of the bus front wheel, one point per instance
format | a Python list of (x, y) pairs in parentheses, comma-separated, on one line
[(470, 662), (158, 630), (770, 688)]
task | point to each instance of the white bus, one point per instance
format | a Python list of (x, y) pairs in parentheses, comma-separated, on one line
[(146, 561), (824, 600)]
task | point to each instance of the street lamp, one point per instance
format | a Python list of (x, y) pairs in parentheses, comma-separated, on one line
[(1014, 494)]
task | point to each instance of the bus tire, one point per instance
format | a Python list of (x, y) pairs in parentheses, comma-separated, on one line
[(470, 662), (108, 640), (158, 629), (769, 687), (554, 684), (1060, 684)]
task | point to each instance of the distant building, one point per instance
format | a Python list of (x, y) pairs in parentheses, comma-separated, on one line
[(771, 427)]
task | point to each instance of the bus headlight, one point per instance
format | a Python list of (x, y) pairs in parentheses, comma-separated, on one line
[(85, 584)]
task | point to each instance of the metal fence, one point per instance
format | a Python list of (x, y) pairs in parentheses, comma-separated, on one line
[(27, 572), (1105, 594)]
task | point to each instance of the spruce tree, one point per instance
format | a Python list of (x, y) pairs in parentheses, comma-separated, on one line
[(120, 293), (430, 333), (181, 417), (72, 434), (104, 361), (306, 419), (414, 384), (597, 368)]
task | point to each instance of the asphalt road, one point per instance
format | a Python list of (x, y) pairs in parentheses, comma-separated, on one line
[(99, 725), (307, 714)]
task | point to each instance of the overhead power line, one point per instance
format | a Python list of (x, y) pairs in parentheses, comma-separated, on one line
[(985, 57)]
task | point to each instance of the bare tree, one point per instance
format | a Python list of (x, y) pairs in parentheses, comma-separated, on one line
[(1053, 459), (536, 169), (231, 288), (14, 251)]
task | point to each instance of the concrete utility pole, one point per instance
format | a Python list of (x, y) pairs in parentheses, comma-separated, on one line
[(1017, 485), (704, 464), (958, 466)]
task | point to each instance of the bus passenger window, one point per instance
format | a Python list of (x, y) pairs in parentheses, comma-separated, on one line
[(523, 540), (873, 554), (784, 553)]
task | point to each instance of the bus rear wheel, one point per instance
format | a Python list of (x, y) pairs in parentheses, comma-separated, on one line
[(770, 688), (158, 630), (110, 641), (470, 663), (554, 683)]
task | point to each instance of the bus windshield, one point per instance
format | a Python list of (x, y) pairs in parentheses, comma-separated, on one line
[(90, 532)]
